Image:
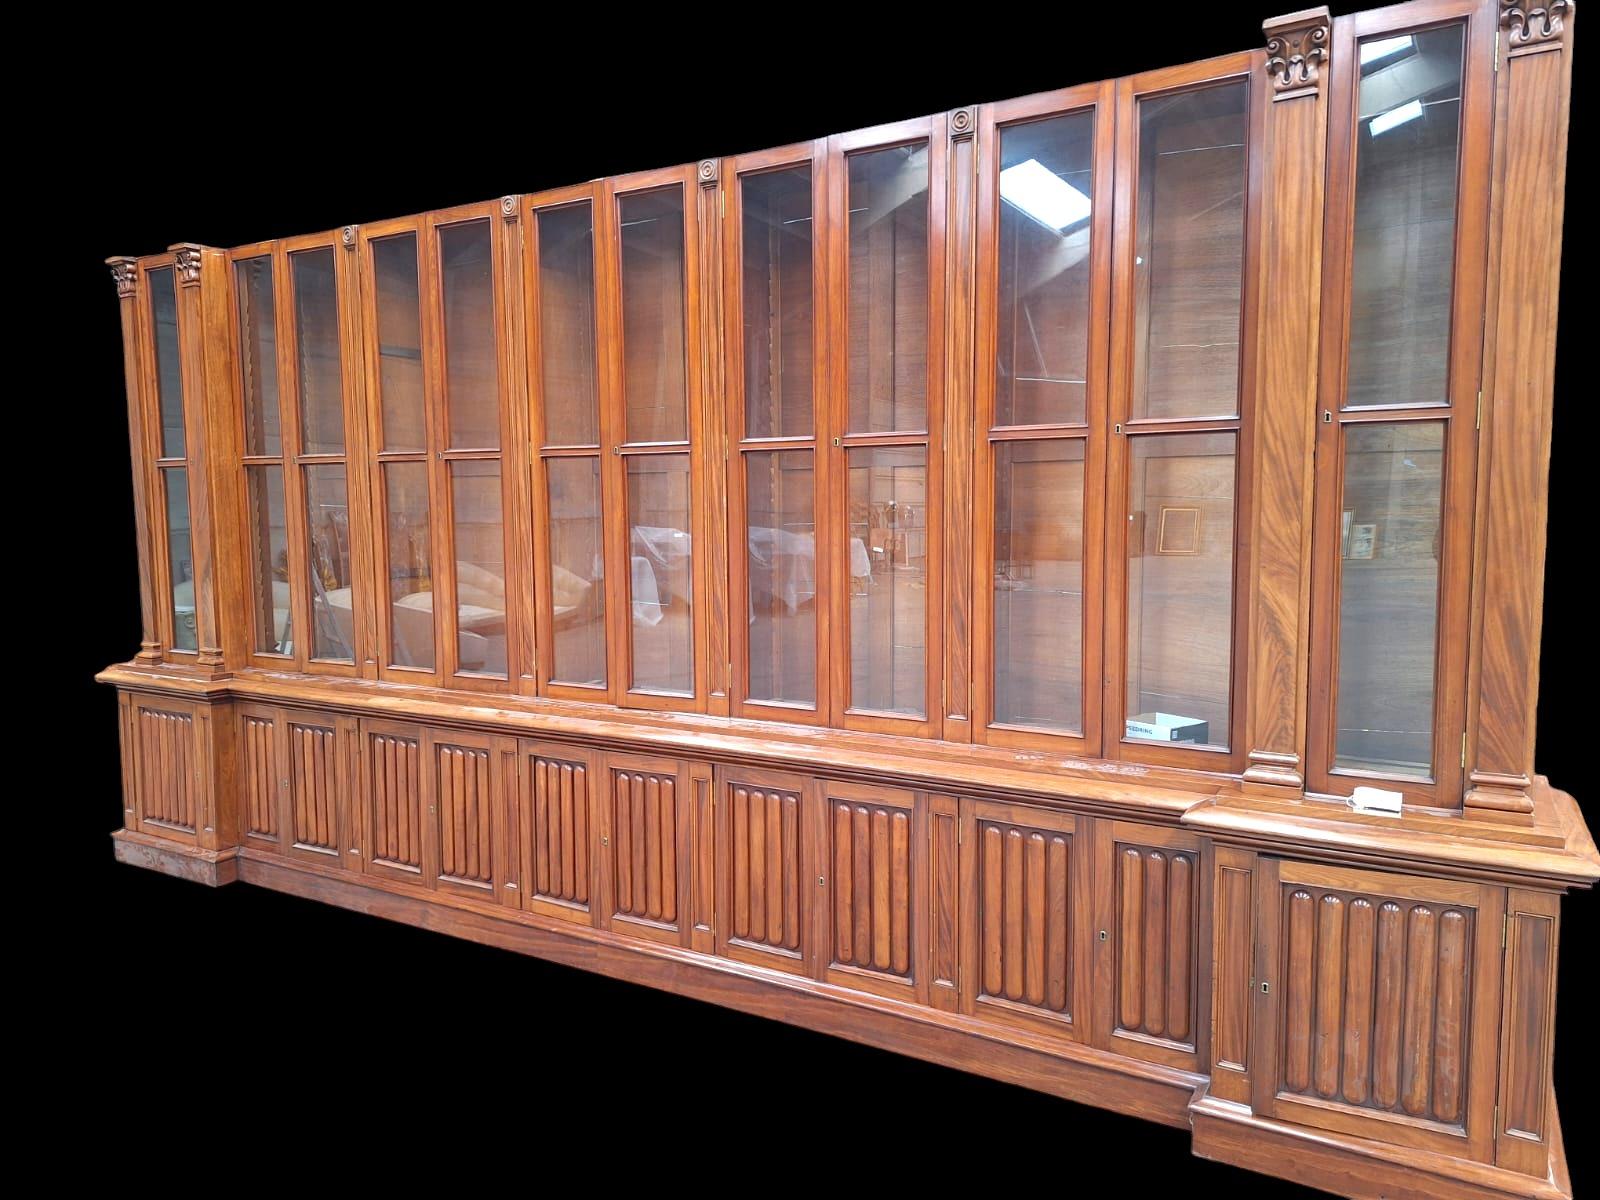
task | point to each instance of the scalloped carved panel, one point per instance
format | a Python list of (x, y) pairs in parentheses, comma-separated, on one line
[(559, 855), (1376, 993), (167, 769)]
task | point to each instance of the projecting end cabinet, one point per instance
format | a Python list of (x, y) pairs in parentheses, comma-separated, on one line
[(1052, 587)]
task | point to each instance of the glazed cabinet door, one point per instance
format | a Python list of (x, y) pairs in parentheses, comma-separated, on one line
[(558, 865), (1147, 930), (875, 878), (1377, 1004), (645, 844), (1025, 917), (764, 868)]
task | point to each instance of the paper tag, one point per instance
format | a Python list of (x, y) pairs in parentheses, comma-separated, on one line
[(1376, 800)]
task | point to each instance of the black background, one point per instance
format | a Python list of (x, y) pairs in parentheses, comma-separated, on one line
[(238, 1033)]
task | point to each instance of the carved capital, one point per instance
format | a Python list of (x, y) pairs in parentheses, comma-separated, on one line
[(1529, 28), (963, 122), (1297, 52), (125, 272), (510, 206), (709, 172), (347, 237), (186, 261)]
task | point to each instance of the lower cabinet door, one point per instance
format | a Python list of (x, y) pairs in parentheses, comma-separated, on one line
[(170, 763), (464, 830), (1378, 1004), (1025, 924), (316, 755), (1148, 902), (766, 880), (392, 774), (644, 846), (558, 833), (875, 873)]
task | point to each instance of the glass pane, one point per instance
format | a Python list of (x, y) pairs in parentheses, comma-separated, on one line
[(655, 386), (328, 547), (316, 325), (180, 561), (1403, 259), (782, 555), (1189, 254), (776, 241), (1389, 597), (566, 326), (410, 564), (888, 292), (169, 367), (888, 568), (394, 268), (577, 572), (480, 545), (661, 574), (1042, 320), (472, 376), (258, 356), (1180, 587), (1038, 584), (269, 560)]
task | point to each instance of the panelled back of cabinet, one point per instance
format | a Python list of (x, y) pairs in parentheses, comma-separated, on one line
[(939, 583)]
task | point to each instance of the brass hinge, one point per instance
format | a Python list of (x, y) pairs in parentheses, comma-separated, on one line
[(1463, 749), (1496, 49), (722, 203), (1479, 418), (1505, 923)]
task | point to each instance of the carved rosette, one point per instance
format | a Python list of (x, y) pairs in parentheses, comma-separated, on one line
[(1529, 28), (186, 260), (1297, 52), (963, 122), (709, 172), (510, 206), (125, 273), (347, 237)]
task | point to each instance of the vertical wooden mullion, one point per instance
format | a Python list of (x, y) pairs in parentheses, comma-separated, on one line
[(359, 452), (516, 472), (608, 306), (294, 490), (430, 300)]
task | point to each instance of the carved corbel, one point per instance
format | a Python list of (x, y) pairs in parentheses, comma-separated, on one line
[(510, 207), (962, 122), (347, 236), (186, 261), (1297, 52), (709, 172), (1529, 29), (125, 273)]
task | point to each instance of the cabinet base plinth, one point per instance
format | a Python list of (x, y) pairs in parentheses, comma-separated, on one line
[(214, 868), (1358, 1167)]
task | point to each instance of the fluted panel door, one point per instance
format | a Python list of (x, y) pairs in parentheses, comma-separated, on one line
[(646, 812), (875, 866), (558, 858), (764, 884), (1375, 981)]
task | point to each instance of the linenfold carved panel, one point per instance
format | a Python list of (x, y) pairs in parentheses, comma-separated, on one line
[(166, 762), (1155, 907), (314, 787), (1375, 1001), (1024, 904), (394, 802), (644, 844), (871, 861), (463, 811), (262, 783), (560, 831), (764, 854)]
